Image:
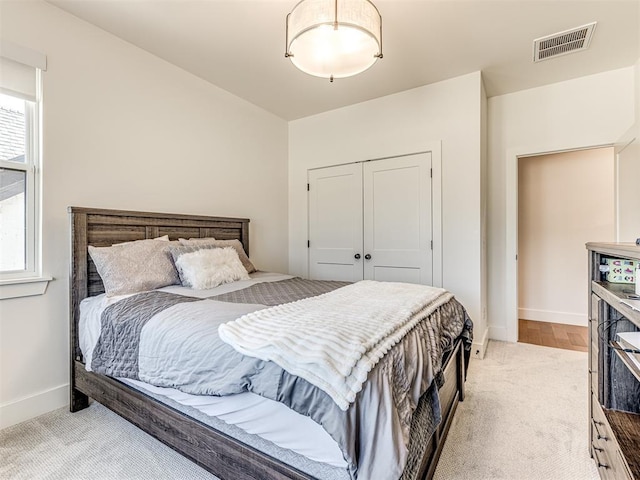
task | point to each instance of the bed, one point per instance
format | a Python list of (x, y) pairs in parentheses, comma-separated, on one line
[(226, 455)]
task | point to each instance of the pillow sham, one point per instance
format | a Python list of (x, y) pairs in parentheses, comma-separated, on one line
[(209, 267), (197, 240), (134, 267), (164, 238), (236, 244)]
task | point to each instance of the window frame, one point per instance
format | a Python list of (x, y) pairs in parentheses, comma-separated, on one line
[(29, 281)]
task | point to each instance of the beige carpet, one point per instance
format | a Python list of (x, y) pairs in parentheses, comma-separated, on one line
[(94, 443), (525, 417)]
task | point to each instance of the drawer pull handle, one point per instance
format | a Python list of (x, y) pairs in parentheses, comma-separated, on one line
[(600, 437), (600, 465)]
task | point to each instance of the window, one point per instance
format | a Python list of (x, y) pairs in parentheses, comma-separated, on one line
[(16, 190), (20, 135)]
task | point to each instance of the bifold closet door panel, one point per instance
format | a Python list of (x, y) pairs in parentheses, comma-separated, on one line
[(397, 219), (335, 223)]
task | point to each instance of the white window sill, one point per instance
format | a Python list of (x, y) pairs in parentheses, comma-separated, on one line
[(23, 287)]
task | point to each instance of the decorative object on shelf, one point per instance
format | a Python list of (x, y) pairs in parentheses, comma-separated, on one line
[(334, 38), (620, 270)]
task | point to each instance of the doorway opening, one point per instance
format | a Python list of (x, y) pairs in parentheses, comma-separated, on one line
[(559, 201)]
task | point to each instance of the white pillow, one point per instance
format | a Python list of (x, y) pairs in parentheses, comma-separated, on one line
[(209, 268), (210, 241)]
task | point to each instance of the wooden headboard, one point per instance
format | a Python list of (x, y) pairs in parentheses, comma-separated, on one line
[(102, 228)]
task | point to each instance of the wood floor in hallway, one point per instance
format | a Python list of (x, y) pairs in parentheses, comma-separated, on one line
[(557, 335)]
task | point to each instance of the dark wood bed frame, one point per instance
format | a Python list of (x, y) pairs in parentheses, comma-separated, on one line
[(224, 456)]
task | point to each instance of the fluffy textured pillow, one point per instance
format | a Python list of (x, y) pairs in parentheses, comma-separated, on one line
[(236, 244), (210, 267), (134, 266), (177, 250)]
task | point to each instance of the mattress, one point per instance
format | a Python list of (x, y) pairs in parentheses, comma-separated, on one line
[(165, 337), (271, 421)]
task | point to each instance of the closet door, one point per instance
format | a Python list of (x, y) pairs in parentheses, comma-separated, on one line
[(335, 223), (397, 219)]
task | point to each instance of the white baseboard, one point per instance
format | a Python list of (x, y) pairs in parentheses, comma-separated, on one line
[(498, 333), (479, 345), (566, 318), (34, 405)]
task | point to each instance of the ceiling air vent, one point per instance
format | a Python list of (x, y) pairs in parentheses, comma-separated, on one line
[(563, 43)]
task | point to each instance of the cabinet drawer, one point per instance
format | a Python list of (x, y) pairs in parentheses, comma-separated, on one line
[(593, 351), (604, 451), (609, 463), (599, 421), (601, 459), (594, 381), (593, 344), (604, 448), (594, 320), (593, 361)]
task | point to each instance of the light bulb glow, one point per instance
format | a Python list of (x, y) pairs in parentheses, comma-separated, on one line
[(333, 49)]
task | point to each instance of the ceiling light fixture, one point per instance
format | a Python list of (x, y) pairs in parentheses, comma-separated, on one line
[(334, 38)]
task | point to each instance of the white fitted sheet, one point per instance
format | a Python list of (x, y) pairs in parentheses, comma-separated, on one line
[(260, 416), (254, 414)]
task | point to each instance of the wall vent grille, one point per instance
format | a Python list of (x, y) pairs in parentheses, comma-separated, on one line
[(562, 43)]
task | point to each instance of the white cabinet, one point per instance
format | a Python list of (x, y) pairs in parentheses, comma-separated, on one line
[(372, 220)]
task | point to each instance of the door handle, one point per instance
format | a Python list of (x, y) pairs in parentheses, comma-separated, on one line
[(367, 257), (357, 256)]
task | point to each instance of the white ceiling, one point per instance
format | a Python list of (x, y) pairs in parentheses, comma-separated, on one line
[(238, 45)]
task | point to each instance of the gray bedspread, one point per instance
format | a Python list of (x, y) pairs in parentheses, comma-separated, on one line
[(276, 293), (172, 341)]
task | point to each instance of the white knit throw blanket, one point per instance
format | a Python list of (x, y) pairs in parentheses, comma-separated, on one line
[(335, 339)]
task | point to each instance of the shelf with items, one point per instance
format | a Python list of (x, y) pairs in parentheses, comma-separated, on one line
[(618, 295), (627, 359), (614, 294)]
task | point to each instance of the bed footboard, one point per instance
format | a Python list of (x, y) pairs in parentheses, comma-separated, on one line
[(224, 456), (451, 393)]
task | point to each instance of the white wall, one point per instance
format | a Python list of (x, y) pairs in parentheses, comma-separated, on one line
[(564, 201), (589, 111), (124, 129), (628, 175), (637, 90), (484, 195), (448, 112), (628, 187)]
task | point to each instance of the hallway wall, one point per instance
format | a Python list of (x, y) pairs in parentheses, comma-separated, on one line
[(564, 201)]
